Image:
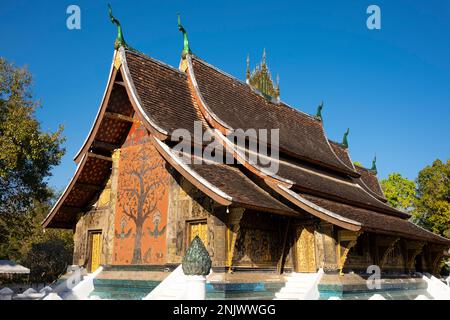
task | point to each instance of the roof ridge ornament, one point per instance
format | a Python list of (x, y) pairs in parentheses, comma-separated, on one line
[(263, 59), (345, 139), (374, 165), (186, 47), (277, 88), (261, 79), (247, 71), (319, 112), (120, 41)]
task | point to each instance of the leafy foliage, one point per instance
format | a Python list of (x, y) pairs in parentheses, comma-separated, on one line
[(433, 198), (27, 156), (399, 191), (48, 259)]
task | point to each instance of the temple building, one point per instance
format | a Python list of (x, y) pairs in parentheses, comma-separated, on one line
[(135, 201)]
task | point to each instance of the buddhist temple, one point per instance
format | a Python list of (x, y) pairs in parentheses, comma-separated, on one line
[(137, 200)]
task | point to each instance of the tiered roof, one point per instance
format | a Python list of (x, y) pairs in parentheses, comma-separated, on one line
[(316, 176)]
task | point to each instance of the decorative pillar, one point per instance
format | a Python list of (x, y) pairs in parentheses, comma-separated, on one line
[(350, 238), (219, 244), (329, 254), (410, 265), (109, 243), (386, 253), (196, 266), (234, 220)]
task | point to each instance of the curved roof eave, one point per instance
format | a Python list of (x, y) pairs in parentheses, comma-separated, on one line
[(135, 101), (100, 112), (280, 180), (194, 178), (315, 210), (209, 115), (217, 123), (352, 169), (66, 191), (240, 156), (134, 98), (368, 189)]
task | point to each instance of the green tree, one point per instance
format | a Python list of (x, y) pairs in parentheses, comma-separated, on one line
[(47, 260), (399, 191), (433, 198), (27, 156)]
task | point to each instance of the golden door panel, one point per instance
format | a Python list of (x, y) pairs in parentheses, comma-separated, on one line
[(96, 248), (198, 229), (305, 250)]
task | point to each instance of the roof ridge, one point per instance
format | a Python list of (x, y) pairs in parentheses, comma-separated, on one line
[(256, 92), (334, 142), (364, 168), (154, 60)]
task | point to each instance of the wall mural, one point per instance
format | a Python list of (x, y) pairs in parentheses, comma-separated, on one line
[(142, 201), (255, 246)]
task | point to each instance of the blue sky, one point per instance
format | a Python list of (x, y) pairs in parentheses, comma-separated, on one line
[(390, 86)]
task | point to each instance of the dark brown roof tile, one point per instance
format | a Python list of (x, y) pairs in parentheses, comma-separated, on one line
[(236, 104)]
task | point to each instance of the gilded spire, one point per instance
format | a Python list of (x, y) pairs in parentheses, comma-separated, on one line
[(261, 79), (345, 140), (263, 60), (319, 112), (120, 41), (278, 87), (186, 48), (374, 165), (247, 72)]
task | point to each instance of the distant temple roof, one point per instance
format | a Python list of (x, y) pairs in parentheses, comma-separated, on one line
[(316, 176)]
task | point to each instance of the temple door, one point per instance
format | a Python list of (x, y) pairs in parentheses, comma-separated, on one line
[(198, 228), (305, 250), (96, 248)]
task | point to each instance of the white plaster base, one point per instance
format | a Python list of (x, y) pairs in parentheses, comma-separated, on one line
[(195, 288)]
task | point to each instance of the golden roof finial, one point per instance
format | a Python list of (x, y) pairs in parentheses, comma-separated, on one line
[(247, 74), (278, 87)]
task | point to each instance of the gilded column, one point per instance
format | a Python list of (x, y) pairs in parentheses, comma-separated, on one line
[(112, 207)]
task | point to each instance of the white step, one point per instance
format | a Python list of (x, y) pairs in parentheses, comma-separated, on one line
[(291, 284), (299, 286), (294, 296), (171, 292), (293, 290)]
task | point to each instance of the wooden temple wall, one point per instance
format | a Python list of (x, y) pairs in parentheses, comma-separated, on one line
[(100, 219), (259, 241), (148, 213), (192, 213), (326, 247), (393, 255)]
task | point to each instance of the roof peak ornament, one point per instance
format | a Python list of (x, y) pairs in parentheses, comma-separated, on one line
[(247, 71), (319, 112), (345, 139), (277, 88), (263, 60), (261, 79), (186, 47), (374, 165), (120, 41)]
